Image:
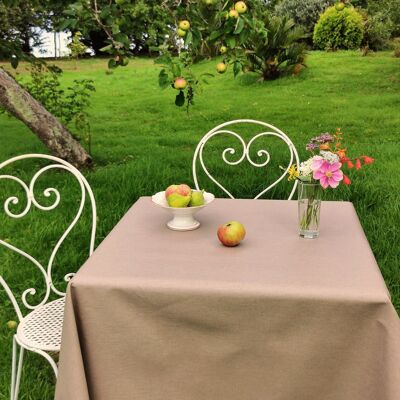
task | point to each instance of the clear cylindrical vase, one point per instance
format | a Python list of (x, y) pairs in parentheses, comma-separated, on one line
[(309, 209)]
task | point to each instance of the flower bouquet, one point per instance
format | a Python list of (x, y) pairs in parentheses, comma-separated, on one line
[(322, 170)]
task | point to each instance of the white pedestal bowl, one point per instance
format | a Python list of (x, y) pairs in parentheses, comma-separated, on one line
[(183, 218)]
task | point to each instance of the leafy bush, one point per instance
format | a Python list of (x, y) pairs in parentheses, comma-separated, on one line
[(390, 9), (69, 105), (304, 12), (274, 48), (377, 31), (339, 29)]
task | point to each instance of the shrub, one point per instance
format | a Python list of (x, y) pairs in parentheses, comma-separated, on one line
[(377, 31), (390, 9), (339, 29), (68, 105), (274, 48), (304, 12)]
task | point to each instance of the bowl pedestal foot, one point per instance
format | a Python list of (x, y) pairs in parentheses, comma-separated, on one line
[(183, 223)]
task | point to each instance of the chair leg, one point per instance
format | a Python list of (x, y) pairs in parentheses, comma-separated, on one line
[(13, 368), (19, 372), (16, 370)]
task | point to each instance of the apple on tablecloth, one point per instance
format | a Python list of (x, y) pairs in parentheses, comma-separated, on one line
[(231, 233)]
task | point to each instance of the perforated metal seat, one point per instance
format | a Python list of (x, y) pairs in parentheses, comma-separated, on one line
[(42, 328)]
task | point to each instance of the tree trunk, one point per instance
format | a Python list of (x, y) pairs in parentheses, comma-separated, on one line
[(19, 103)]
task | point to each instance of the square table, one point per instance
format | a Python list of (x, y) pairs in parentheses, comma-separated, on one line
[(156, 314)]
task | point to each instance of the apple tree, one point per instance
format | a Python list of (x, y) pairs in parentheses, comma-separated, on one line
[(244, 33)]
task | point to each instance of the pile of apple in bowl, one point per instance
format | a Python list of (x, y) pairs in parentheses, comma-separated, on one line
[(183, 203)]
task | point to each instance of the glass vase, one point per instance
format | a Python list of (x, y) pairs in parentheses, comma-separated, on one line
[(309, 203)]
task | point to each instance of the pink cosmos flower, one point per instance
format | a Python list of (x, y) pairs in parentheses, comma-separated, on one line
[(326, 173)]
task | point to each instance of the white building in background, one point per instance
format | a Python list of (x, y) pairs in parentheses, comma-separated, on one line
[(54, 44)]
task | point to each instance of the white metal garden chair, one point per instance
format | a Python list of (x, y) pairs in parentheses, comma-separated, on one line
[(266, 130), (39, 330)]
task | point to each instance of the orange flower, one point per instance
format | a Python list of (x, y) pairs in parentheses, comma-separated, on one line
[(341, 153), (324, 146), (368, 160), (350, 164), (346, 180), (358, 164)]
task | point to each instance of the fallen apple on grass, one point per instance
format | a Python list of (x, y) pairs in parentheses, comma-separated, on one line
[(12, 325), (231, 233)]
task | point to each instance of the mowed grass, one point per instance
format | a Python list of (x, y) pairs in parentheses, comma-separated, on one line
[(142, 143)]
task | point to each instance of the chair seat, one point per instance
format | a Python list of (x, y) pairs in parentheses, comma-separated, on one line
[(41, 329)]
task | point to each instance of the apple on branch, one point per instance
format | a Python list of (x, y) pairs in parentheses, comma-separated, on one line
[(241, 7), (180, 83), (181, 32), (184, 25), (233, 13), (221, 67)]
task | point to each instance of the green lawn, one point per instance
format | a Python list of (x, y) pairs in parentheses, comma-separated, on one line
[(142, 143)]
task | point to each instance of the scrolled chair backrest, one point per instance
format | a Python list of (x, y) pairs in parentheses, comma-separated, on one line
[(31, 202), (266, 130)]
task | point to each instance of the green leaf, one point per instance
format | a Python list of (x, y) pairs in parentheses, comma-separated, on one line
[(215, 35), (112, 63), (163, 79), (14, 61), (244, 35), (189, 38), (105, 12), (107, 48), (239, 26), (63, 25), (123, 38), (196, 37), (115, 29), (180, 99), (164, 59), (231, 42), (72, 23), (237, 66), (176, 70)]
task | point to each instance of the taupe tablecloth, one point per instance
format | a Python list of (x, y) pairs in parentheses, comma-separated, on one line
[(163, 315)]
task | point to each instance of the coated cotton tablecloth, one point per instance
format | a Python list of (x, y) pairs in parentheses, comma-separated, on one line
[(161, 315)]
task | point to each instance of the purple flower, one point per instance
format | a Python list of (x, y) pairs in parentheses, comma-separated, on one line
[(311, 146), (323, 138)]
